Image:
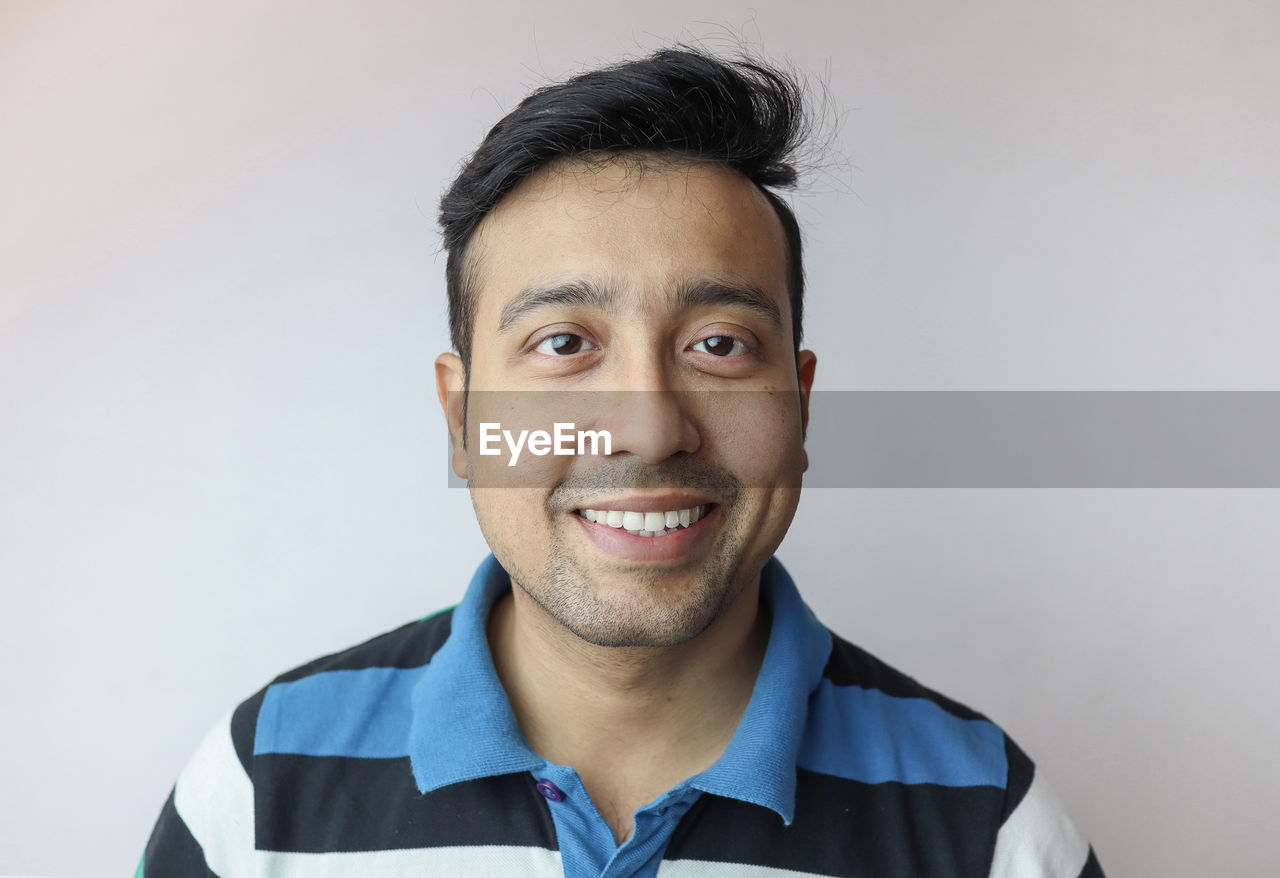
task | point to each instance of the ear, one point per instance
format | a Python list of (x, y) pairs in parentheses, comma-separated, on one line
[(451, 381), (806, 365)]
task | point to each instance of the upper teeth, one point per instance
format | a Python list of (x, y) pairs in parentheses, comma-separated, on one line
[(645, 523)]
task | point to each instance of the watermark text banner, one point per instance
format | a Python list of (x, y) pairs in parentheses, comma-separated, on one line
[(959, 439)]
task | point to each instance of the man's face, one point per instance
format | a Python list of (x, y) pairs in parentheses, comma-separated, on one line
[(651, 302)]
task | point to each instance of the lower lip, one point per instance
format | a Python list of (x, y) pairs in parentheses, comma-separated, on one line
[(672, 547)]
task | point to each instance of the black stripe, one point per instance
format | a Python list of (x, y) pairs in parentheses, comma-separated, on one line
[(173, 850), (847, 828), (1021, 772), (409, 646), (318, 804), (244, 728), (1091, 868), (850, 665)]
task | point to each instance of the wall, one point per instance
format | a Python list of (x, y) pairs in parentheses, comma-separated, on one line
[(221, 293)]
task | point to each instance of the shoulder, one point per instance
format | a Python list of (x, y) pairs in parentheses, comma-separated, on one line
[(881, 736), (304, 699), (210, 817), (411, 645), (874, 721), (314, 707), (850, 665)]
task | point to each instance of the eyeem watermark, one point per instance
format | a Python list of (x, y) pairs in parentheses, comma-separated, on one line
[(960, 439), (563, 440)]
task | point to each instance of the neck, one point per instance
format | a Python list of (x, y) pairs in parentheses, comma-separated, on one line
[(628, 708)]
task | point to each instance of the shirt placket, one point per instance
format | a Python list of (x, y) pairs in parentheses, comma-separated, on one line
[(586, 842)]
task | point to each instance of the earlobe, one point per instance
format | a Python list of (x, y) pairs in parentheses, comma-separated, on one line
[(451, 382)]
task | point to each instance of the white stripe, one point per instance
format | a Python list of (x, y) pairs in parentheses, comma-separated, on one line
[(1039, 840), (489, 861), (706, 869), (214, 797)]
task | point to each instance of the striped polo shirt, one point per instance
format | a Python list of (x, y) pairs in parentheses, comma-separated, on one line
[(402, 757)]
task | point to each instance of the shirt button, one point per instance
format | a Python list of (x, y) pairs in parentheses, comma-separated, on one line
[(550, 790)]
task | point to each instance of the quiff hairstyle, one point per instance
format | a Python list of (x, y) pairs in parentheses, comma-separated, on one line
[(680, 103)]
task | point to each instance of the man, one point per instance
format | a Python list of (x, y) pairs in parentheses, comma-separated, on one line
[(631, 684)]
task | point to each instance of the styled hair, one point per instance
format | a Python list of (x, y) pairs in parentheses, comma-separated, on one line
[(679, 103)]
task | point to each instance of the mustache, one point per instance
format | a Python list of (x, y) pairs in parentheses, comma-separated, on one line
[(687, 473)]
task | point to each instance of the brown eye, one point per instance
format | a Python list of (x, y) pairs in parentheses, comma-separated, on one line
[(563, 344), (717, 345)]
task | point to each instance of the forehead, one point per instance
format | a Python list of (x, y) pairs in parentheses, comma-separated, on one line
[(644, 225)]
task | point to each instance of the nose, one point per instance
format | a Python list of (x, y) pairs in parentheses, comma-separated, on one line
[(647, 417)]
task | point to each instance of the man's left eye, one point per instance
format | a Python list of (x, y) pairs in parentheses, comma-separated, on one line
[(719, 346)]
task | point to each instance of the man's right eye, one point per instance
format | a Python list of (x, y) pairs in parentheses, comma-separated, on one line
[(563, 344)]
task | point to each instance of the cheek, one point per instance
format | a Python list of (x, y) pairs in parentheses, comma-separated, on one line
[(757, 435), (513, 443), (512, 520)]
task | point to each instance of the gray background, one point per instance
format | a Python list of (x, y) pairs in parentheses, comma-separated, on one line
[(221, 294)]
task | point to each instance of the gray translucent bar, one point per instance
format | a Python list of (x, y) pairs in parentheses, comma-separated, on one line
[(1031, 439), (1044, 439)]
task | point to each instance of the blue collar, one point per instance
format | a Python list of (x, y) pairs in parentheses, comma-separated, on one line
[(464, 729)]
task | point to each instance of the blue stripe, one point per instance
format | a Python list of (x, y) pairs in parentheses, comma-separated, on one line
[(364, 713), (868, 736)]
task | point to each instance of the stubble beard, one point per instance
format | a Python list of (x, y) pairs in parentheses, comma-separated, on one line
[(642, 611), (637, 605)]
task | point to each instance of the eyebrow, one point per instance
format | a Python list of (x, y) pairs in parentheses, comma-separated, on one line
[(591, 295), (748, 296), (569, 293)]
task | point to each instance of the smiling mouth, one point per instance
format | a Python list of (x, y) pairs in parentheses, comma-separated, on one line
[(648, 524)]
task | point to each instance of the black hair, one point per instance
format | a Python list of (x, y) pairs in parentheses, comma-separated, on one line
[(679, 102)]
